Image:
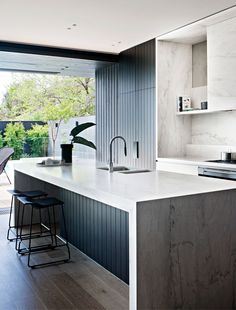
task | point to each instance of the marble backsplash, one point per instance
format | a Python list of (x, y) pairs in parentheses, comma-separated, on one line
[(207, 151), (214, 129), (212, 134)]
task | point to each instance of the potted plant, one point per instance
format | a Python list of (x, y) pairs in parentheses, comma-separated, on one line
[(66, 154)]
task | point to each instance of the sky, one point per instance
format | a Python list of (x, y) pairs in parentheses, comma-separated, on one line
[(5, 80)]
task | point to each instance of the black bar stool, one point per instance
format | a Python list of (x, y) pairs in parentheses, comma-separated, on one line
[(48, 203), (15, 194)]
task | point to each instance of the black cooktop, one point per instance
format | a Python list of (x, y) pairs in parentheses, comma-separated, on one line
[(232, 162)]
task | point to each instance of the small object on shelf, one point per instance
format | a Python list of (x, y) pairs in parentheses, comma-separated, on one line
[(179, 104), (226, 156), (186, 103), (204, 105), (188, 110)]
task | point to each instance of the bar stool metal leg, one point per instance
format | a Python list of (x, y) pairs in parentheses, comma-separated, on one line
[(38, 204), (9, 225), (50, 225), (21, 229), (54, 224), (17, 225), (65, 230), (30, 236)]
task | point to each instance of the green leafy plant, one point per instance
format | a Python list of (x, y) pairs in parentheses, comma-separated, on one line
[(37, 138), (53, 99), (14, 136), (1, 140), (80, 140)]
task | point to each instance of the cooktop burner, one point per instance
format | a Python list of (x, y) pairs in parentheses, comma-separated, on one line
[(232, 162)]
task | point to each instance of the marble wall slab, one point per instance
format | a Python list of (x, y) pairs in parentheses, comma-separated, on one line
[(208, 151), (222, 65), (214, 129), (174, 78), (198, 95), (200, 64)]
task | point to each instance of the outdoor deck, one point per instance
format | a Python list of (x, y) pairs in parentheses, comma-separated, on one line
[(5, 197)]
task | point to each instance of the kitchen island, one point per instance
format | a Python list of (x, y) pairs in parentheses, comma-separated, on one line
[(176, 232)]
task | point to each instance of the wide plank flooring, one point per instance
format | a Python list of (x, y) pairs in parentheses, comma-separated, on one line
[(80, 284)]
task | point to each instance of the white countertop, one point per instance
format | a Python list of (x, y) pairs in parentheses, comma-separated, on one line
[(120, 190), (197, 161)]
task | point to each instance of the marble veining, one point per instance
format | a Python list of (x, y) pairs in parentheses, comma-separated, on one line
[(222, 65), (214, 129), (189, 259), (174, 74), (208, 151)]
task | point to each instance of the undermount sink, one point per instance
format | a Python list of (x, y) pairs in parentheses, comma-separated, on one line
[(125, 170), (116, 168), (135, 171)]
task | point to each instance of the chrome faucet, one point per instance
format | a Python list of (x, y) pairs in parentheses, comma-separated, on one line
[(125, 151)]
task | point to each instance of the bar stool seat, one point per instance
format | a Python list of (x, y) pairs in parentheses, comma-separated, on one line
[(14, 194), (48, 203)]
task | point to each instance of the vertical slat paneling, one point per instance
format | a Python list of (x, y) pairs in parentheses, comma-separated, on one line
[(106, 109), (98, 230), (126, 105)]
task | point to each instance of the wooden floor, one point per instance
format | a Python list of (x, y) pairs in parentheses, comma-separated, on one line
[(80, 284)]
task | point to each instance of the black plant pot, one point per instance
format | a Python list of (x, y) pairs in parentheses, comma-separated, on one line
[(66, 153)]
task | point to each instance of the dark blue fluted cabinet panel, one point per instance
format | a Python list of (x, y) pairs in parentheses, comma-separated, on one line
[(128, 89), (98, 230), (106, 109)]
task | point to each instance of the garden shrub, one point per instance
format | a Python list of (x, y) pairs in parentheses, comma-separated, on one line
[(1, 140), (37, 137), (14, 136)]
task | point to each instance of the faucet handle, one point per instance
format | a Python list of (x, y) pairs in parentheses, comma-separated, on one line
[(125, 149)]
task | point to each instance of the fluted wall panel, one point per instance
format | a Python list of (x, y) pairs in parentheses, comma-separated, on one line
[(134, 105), (106, 109)]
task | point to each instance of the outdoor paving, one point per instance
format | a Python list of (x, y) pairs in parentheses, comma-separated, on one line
[(5, 197)]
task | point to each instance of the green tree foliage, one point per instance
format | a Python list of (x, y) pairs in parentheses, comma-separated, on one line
[(1, 140), (37, 138), (48, 98), (14, 136)]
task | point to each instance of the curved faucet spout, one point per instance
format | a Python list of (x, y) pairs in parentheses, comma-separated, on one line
[(111, 143)]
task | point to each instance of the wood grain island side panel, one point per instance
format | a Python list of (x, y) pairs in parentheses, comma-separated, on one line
[(186, 252)]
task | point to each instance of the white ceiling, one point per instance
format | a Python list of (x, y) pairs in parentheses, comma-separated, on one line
[(197, 32), (100, 24)]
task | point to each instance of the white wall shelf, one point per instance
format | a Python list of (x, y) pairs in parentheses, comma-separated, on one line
[(200, 112)]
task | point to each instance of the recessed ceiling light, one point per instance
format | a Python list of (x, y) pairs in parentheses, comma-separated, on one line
[(68, 28), (74, 25), (113, 44), (119, 42), (66, 67)]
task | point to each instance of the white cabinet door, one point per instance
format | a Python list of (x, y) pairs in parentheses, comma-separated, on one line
[(221, 49)]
